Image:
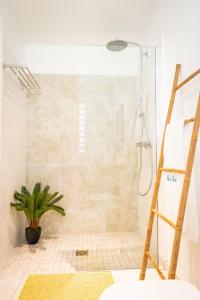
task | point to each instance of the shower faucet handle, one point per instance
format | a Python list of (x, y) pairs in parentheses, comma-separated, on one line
[(141, 115), (146, 144)]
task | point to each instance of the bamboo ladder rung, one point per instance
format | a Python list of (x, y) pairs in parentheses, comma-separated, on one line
[(187, 79), (154, 264), (172, 170), (164, 218)]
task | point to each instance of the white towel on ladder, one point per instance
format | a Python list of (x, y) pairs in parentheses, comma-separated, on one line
[(192, 218), (177, 141)]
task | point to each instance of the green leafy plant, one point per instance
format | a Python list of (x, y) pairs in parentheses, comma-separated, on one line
[(37, 203)]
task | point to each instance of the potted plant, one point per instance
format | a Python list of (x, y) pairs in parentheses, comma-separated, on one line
[(34, 205)]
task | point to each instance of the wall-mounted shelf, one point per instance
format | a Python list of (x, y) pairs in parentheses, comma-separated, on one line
[(24, 75)]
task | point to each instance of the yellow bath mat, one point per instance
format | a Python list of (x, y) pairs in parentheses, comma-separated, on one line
[(73, 286)]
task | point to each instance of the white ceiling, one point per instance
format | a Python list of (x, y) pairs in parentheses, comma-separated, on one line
[(59, 22)]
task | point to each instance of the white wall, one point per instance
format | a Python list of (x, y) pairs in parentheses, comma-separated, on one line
[(13, 43), (1, 76), (175, 27), (90, 60), (12, 143), (13, 160)]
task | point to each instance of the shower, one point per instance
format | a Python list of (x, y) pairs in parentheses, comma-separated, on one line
[(119, 45), (116, 46)]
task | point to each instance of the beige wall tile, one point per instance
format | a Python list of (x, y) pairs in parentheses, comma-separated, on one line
[(70, 88), (42, 148), (46, 174)]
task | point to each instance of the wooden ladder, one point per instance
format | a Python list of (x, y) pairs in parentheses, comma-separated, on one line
[(186, 184)]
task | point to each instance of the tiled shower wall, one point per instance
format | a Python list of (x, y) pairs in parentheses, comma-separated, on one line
[(81, 141)]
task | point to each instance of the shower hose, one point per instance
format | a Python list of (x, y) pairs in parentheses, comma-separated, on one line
[(150, 160)]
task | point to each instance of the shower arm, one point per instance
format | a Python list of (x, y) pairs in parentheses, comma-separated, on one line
[(134, 44), (140, 46)]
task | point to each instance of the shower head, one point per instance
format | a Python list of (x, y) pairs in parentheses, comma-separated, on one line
[(116, 45), (119, 45)]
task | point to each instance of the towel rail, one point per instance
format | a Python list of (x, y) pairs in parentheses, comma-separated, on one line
[(24, 76)]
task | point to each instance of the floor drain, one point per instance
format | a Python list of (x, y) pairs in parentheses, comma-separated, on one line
[(81, 252)]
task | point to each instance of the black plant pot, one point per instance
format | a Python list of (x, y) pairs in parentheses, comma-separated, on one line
[(32, 235)]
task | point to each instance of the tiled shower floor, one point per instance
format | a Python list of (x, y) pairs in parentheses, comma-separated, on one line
[(57, 254)]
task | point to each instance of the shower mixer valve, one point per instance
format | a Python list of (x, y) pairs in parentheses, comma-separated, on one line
[(144, 144)]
